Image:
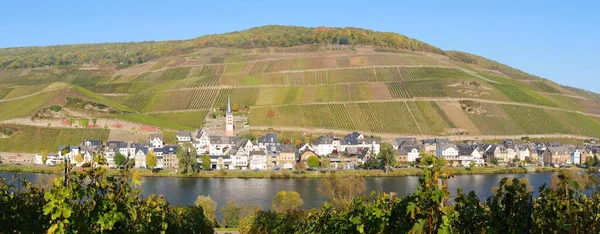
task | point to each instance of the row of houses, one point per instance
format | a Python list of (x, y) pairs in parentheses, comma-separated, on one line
[(539, 153), (268, 152)]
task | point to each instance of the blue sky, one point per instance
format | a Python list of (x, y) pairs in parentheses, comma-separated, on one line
[(557, 40)]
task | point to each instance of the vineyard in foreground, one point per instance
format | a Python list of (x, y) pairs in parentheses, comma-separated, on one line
[(561, 207)]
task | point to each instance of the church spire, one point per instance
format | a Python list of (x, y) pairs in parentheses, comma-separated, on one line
[(228, 104)]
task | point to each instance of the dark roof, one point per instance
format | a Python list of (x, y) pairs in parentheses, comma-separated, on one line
[(404, 150), (224, 140), (465, 151), (220, 156), (93, 142), (327, 139), (287, 149), (136, 145), (200, 132), (158, 150), (352, 138), (117, 144), (269, 138), (406, 141), (144, 149), (170, 149), (362, 152), (442, 140), (368, 141)]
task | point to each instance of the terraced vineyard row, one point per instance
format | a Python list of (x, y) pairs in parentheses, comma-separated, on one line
[(175, 73), (234, 69), (372, 120), (207, 70), (137, 102), (110, 88), (425, 88), (4, 92), (208, 81), (259, 67), (203, 98), (330, 116), (428, 73), (519, 94), (279, 65), (342, 116), (397, 90), (387, 74), (534, 120), (221, 100)]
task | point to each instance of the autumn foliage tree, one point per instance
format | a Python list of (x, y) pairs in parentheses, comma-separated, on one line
[(285, 201), (151, 160)]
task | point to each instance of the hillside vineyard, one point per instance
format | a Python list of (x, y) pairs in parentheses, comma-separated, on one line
[(345, 82)]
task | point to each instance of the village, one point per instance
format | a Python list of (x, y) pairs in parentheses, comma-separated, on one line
[(269, 152)]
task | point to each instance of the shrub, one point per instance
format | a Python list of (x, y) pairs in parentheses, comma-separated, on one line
[(55, 108), (93, 202)]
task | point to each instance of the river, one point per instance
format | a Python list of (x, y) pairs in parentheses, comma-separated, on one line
[(260, 191)]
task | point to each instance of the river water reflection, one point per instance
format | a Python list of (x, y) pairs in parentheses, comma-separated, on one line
[(260, 191)]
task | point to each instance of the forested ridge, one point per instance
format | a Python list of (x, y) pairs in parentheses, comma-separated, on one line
[(259, 37)]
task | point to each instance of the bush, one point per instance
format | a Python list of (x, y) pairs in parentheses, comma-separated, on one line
[(7, 131), (93, 203), (55, 108)]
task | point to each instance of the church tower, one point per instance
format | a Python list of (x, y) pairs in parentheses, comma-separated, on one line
[(229, 119)]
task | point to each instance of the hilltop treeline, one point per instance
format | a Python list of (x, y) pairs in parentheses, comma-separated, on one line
[(139, 52)]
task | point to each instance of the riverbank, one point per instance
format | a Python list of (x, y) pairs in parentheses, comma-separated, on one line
[(398, 172)]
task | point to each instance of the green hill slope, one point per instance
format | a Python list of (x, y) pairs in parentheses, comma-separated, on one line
[(295, 77)]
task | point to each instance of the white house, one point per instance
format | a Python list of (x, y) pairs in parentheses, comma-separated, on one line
[(219, 162), (202, 142), (184, 136), (50, 160), (220, 145), (113, 148), (511, 153), (576, 156), (140, 156), (448, 151), (324, 145), (523, 152), (240, 154), (156, 140), (269, 143), (411, 152), (466, 155)]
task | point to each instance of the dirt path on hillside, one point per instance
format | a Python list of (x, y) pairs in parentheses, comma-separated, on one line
[(393, 136)]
